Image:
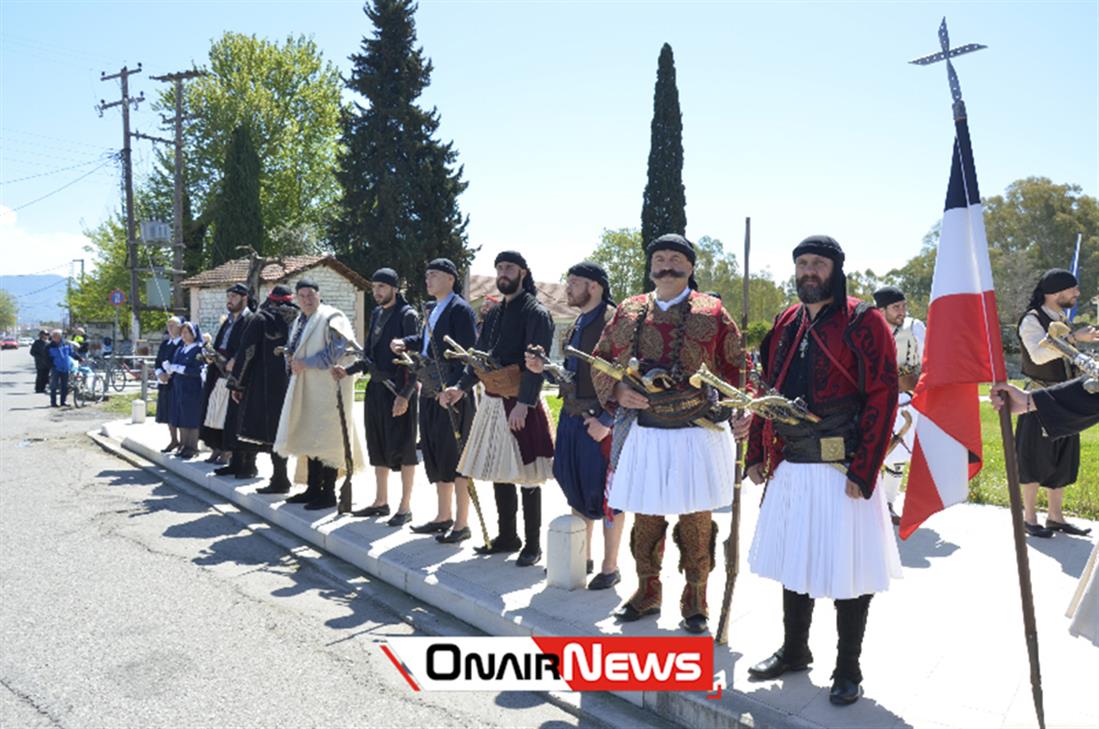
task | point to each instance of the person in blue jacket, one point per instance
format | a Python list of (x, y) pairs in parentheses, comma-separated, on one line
[(185, 375), (164, 354), (61, 354)]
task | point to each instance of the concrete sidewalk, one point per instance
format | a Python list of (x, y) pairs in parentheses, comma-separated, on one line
[(944, 647)]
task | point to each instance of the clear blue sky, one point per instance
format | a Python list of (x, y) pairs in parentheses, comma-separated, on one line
[(804, 116)]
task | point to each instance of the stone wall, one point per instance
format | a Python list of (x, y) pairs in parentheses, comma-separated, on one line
[(208, 304)]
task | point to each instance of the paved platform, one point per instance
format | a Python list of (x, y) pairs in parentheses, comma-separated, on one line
[(944, 647)]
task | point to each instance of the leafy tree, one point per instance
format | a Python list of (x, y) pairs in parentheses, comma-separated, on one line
[(665, 201), (289, 98), (237, 217), (620, 253), (400, 188), (9, 309), (89, 298)]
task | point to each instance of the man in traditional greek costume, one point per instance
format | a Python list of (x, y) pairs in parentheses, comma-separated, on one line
[(510, 441), (823, 529), (1050, 463), (218, 407), (583, 444), (450, 316), (390, 401), (670, 455), (309, 425), (259, 380), (908, 336)]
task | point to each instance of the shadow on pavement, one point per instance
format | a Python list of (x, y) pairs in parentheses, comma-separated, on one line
[(1070, 552), (924, 545)]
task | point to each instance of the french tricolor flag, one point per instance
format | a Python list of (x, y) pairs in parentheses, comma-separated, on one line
[(963, 348)]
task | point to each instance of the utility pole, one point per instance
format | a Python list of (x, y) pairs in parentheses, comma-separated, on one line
[(128, 174), (178, 304)]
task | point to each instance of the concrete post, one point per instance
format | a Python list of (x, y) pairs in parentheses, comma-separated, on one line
[(566, 563), (137, 412)]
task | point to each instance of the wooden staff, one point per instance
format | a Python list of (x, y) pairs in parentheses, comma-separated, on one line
[(732, 544)]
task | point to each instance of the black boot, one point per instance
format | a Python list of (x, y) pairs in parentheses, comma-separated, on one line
[(232, 468), (246, 466), (532, 527), (850, 627), (279, 484), (507, 504), (312, 482), (327, 497), (794, 655)]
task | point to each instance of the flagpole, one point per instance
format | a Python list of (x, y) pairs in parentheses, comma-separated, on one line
[(1075, 271), (1011, 466)]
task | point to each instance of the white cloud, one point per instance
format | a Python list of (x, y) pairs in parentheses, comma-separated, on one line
[(26, 252)]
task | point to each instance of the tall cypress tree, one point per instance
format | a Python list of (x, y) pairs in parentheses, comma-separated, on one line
[(664, 208), (238, 220), (399, 206)]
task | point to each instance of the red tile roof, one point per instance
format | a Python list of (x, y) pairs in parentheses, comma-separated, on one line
[(236, 270)]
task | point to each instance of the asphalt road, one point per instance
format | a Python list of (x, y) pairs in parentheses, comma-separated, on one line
[(127, 600)]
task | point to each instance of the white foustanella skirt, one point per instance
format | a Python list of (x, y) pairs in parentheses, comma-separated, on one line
[(815, 539), (673, 471)]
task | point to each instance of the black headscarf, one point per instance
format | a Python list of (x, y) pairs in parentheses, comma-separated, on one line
[(594, 272), (386, 276), (1052, 281), (517, 258), (679, 244), (887, 295), (823, 245), (447, 266)]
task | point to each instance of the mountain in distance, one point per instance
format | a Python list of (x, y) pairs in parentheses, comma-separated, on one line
[(40, 297)]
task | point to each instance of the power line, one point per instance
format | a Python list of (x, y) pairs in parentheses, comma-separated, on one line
[(53, 172), (44, 288), (54, 192), (39, 273)]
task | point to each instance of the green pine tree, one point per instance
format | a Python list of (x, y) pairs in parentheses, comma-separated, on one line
[(399, 206), (664, 208), (238, 220)]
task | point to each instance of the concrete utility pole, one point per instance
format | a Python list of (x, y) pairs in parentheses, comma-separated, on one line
[(178, 304), (127, 170)]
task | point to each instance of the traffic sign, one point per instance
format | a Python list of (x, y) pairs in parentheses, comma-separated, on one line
[(117, 297)]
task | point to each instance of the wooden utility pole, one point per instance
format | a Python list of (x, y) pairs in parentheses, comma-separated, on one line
[(128, 174), (178, 304)]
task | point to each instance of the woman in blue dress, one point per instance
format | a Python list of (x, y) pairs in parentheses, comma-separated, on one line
[(185, 376), (164, 354)]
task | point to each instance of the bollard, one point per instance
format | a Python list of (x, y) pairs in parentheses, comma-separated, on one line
[(566, 563), (137, 412)]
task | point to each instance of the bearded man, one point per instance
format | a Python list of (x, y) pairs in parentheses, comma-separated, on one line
[(218, 408)]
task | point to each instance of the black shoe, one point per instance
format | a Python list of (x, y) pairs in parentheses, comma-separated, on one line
[(1037, 530), (246, 474), (500, 546), (304, 497), (171, 447), (630, 614), (1064, 526), (528, 558), (590, 567), (844, 691), (225, 471), (400, 519), (454, 536), (214, 458), (433, 527), (695, 624), (775, 666), (604, 581), (324, 501), (274, 488), (382, 510), (187, 453)]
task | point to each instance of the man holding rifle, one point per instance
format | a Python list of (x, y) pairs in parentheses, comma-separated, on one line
[(510, 439), (443, 428), (672, 451), (823, 529)]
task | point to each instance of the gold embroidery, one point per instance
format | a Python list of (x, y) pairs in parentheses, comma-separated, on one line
[(652, 343), (701, 326)]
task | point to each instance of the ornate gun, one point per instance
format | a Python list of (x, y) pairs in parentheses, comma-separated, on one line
[(558, 371), (652, 382), (771, 406), (214, 357), (1055, 339), (473, 357)]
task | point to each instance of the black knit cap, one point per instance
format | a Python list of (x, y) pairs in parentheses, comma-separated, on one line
[(672, 242), (386, 276), (306, 283), (593, 272), (447, 266), (887, 295), (237, 288), (824, 245), (511, 257)]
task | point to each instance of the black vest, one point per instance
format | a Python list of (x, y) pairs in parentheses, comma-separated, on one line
[(1057, 370)]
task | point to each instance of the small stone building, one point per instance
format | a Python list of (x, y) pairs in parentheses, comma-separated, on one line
[(339, 286)]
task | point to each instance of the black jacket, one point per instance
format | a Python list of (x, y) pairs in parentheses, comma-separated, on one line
[(261, 376), (457, 322), (41, 356), (507, 331)]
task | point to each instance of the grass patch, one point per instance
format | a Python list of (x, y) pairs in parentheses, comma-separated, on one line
[(116, 404), (553, 405)]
